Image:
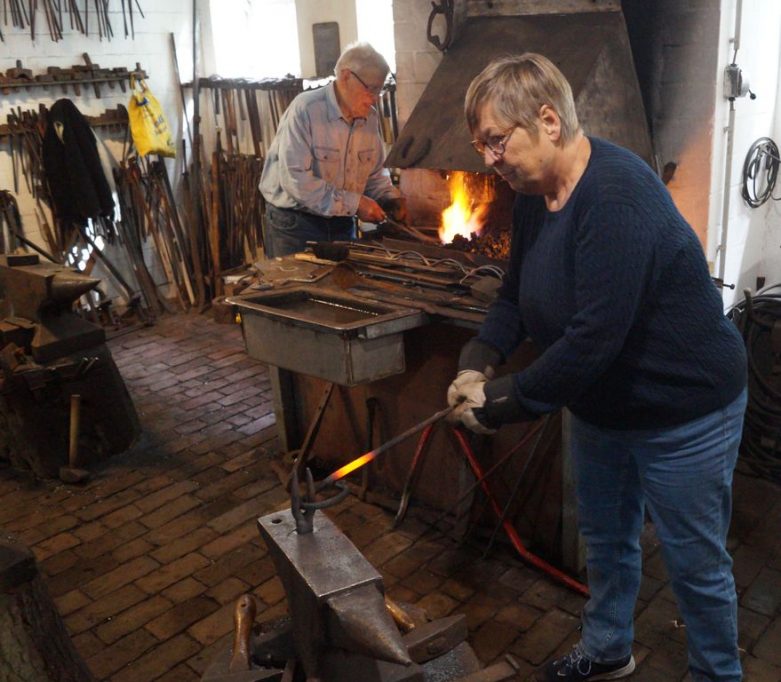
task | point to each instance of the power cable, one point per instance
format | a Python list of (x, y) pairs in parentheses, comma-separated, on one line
[(760, 171), (756, 317)]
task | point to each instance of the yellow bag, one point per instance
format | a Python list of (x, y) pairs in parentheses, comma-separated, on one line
[(148, 124)]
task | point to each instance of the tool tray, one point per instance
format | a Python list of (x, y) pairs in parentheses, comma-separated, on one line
[(326, 333)]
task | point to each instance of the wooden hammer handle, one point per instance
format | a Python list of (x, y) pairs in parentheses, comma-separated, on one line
[(73, 442), (243, 619)]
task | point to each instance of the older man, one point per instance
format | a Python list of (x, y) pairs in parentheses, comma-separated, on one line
[(325, 165)]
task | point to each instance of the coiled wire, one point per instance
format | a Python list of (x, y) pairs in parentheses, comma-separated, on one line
[(758, 317), (760, 172)]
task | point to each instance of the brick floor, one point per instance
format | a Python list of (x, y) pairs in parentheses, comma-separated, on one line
[(146, 560)]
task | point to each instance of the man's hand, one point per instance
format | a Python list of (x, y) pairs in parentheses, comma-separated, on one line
[(369, 210), (396, 209)]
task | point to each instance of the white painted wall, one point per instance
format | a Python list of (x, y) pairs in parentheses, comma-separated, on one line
[(151, 48), (255, 39), (317, 11), (753, 245)]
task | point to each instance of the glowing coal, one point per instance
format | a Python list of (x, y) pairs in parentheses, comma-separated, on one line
[(470, 195)]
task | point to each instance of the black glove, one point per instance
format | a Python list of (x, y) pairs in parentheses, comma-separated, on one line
[(501, 405), (479, 356)]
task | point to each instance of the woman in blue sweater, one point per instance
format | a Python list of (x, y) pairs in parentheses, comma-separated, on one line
[(611, 285)]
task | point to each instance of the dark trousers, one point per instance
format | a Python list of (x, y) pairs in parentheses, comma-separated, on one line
[(287, 231)]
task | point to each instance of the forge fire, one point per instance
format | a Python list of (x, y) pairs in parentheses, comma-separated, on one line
[(470, 223), (470, 194)]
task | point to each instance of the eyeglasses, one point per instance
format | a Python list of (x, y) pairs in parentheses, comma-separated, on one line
[(376, 92), (496, 144)]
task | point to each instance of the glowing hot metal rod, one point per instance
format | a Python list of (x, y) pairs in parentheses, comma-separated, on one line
[(367, 457)]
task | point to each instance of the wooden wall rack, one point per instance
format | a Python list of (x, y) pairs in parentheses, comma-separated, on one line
[(216, 83), (110, 118), (87, 74)]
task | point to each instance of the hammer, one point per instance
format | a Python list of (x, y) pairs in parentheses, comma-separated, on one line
[(71, 473)]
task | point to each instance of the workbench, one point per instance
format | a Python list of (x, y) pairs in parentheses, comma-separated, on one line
[(335, 412)]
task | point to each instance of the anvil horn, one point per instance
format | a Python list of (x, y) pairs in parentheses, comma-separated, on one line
[(358, 621), (66, 287)]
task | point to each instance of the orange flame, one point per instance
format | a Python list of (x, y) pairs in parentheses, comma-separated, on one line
[(465, 215)]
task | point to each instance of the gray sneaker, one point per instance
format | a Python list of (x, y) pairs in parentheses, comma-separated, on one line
[(575, 667)]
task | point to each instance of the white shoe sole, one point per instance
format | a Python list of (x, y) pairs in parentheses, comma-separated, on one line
[(628, 669)]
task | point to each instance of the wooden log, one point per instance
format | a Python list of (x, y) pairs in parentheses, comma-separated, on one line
[(34, 644)]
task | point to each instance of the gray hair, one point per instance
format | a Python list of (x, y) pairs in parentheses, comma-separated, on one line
[(517, 86), (362, 58)]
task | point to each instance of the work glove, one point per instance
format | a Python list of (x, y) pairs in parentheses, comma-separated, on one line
[(483, 406), (456, 391), (396, 209), (466, 393), (469, 410)]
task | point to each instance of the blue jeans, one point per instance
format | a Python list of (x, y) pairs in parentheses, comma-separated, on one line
[(683, 474), (287, 231)]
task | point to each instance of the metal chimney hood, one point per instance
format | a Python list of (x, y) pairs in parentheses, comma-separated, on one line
[(591, 49)]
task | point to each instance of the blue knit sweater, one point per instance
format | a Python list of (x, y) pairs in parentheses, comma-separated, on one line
[(615, 293)]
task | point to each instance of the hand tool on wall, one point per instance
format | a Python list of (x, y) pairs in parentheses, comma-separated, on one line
[(75, 16), (229, 119), (91, 70), (19, 73), (53, 19), (254, 121), (172, 41), (10, 217)]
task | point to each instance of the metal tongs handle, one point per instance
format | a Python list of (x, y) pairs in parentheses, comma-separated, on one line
[(411, 231)]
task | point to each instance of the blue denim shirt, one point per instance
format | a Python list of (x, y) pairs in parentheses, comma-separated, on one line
[(320, 163)]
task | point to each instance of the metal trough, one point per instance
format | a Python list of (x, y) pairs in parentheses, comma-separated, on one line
[(325, 333)]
